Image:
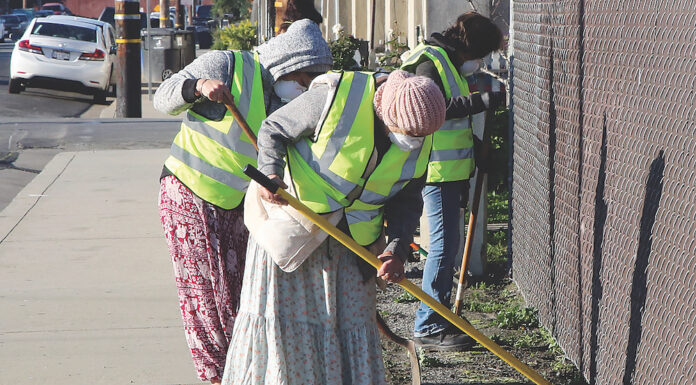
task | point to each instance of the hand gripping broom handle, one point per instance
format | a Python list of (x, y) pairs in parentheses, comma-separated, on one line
[(416, 291)]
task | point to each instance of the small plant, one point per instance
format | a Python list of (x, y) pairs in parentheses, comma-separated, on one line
[(428, 361), (405, 297), (343, 50), (483, 306), (392, 54), (241, 36), (517, 317)]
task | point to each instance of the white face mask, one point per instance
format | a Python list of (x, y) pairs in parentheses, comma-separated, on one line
[(405, 142), (469, 67), (288, 90)]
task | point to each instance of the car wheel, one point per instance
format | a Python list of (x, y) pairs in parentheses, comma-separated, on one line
[(100, 97), (15, 86), (166, 74)]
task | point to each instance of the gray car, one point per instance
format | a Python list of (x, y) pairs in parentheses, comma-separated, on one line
[(12, 24)]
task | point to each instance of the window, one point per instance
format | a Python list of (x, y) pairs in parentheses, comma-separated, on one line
[(64, 31)]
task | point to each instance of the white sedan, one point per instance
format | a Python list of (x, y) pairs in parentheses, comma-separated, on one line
[(66, 53)]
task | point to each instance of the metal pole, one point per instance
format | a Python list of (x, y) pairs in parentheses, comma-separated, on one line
[(128, 99), (164, 13), (149, 54), (179, 23)]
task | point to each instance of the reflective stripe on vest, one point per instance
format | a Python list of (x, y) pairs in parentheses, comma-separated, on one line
[(452, 157), (207, 156), (365, 215), (330, 166)]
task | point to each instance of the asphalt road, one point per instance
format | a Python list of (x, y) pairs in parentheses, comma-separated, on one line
[(35, 102)]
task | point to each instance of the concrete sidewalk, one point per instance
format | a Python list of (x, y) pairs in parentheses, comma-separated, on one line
[(87, 293)]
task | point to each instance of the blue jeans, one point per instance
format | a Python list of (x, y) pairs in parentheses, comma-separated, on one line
[(441, 203)]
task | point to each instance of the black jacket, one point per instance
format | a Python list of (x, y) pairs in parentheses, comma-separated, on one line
[(461, 106)]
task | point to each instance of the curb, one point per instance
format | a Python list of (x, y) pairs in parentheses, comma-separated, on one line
[(30, 195)]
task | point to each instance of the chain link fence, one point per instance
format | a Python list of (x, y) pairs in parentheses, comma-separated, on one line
[(604, 182)]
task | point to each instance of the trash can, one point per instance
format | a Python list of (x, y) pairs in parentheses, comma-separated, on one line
[(161, 55), (185, 42)]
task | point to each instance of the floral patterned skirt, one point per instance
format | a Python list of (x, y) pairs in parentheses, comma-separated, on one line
[(315, 325), (207, 245)]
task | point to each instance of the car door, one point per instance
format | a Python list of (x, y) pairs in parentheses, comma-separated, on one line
[(112, 48)]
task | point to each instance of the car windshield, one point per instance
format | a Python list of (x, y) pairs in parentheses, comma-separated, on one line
[(52, 7), (65, 31)]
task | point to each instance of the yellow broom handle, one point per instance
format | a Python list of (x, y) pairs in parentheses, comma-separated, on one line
[(363, 253)]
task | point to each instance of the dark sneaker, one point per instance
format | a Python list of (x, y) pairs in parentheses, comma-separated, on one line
[(450, 340)]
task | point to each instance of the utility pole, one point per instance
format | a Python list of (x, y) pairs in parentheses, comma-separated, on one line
[(179, 23), (128, 99), (164, 13)]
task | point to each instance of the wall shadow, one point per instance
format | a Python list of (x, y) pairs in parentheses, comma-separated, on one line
[(600, 218), (651, 203), (552, 188)]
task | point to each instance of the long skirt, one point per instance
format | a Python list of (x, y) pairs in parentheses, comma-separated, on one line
[(208, 247), (315, 325)]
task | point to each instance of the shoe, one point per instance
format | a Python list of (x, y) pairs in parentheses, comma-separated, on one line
[(448, 340)]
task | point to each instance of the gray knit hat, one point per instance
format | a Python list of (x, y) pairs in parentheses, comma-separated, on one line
[(301, 48)]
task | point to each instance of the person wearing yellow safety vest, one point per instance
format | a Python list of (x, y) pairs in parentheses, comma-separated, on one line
[(357, 154), (202, 185), (446, 58)]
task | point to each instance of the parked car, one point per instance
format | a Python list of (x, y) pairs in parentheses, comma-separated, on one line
[(204, 12), (67, 53), (43, 13), (57, 8), (30, 12), (24, 20), (12, 24)]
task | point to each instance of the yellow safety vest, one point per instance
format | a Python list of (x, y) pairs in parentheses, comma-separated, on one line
[(329, 170), (452, 157), (208, 156)]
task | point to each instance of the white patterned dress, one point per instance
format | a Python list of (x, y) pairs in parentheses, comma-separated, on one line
[(315, 325)]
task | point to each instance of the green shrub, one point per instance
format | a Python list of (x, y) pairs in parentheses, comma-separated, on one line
[(343, 49), (241, 36)]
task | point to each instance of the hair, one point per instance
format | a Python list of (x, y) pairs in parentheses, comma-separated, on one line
[(298, 10), (476, 34)]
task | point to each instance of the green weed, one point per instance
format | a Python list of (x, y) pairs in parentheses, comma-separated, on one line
[(405, 297), (517, 317)]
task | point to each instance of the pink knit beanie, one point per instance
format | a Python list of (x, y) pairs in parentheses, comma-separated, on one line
[(413, 104)]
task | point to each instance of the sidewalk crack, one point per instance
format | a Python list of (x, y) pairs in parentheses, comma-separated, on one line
[(38, 199)]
